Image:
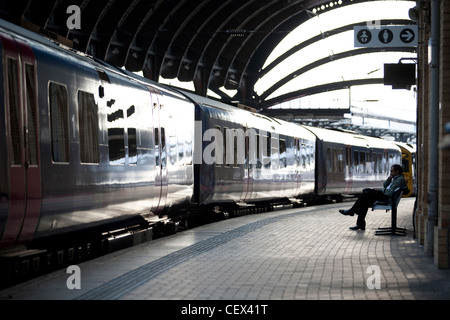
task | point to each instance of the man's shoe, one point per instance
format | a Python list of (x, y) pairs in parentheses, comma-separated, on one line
[(357, 228), (346, 212)]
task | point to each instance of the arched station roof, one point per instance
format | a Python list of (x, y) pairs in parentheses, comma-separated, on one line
[(210, 42)]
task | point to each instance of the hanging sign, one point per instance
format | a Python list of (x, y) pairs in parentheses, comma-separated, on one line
[(385, 36)]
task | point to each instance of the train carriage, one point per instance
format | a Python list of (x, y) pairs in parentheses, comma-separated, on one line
[(95, 143), (348, 162), (249, 158)]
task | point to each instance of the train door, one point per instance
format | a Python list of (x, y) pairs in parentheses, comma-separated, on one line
[(159, 136), (25, 191)]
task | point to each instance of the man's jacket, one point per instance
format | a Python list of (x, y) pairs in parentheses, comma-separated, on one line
[(390, 186)]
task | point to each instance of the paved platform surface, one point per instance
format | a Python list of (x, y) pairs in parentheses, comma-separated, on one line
[(306, 253)]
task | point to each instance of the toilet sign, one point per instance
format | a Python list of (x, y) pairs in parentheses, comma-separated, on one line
[(385, 36)]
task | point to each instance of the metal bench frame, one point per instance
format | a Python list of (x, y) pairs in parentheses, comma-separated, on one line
[(392, 205)]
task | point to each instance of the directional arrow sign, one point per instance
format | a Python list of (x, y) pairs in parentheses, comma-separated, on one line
[(385, 36), (407, 35)]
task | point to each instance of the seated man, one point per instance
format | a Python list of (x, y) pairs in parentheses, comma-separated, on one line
[(370, 196)]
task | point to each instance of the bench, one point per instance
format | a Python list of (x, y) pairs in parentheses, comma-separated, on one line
[(392, 205)]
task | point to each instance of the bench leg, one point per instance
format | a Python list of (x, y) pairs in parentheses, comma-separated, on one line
[(390, 232), (393, 230)]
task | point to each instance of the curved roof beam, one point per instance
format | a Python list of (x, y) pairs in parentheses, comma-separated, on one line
[(200, 38), (184, 36), (261, 23), (317, 89), (164, 25), (209, 58), (325, 60), (101, 32), (136, 54), (87, 39), (118, 46), (143, 52), (322, 36), (264, 25)]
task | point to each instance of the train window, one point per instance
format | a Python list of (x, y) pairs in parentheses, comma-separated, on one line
[(296, 151), (335, 160), (173, 149), (163, 147), (405, 165), (116, 135), (188, 144), (340, 160), (14, 111), (282, 153), (267, 156), (274, 153), (180, 147), (31, 113), (356, 161), (156, 136), (160, 147), (235, 149), (225, 150), (303, 155), (386, 163), (375, 163), (348, 161), (362, 162), (116, 145), (308, 155), (89, 133), (380, 162), (392, 161), (132, 146), (132, 136), (258, 153), (329, 161), (59, 122)]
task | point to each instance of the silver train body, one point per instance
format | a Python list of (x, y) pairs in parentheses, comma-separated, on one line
[(85, 145)]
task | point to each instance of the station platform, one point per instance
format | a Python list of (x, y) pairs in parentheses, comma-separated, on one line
[(293, 254)]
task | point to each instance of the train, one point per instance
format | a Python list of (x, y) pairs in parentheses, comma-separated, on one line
[(409, 167), (88, 149)]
